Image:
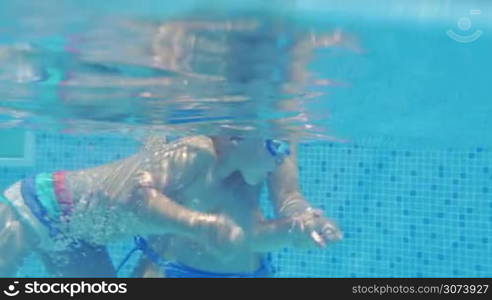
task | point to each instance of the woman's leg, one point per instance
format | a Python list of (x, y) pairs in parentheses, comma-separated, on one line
[(146, 268)]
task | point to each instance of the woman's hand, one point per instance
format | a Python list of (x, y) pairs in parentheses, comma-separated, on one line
[(310, 228)]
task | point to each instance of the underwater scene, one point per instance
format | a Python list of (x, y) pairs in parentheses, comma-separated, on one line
[(245, 139)]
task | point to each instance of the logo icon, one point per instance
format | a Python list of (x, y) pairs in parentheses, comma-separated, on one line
[(465, 24), (11, 291)]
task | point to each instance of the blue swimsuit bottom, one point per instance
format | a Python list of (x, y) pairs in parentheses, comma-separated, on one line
[(178, 270)]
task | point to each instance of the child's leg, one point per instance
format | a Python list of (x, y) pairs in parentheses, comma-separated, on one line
[(16, 241)]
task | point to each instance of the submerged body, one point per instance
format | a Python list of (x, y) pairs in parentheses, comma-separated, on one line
[(200, 195)]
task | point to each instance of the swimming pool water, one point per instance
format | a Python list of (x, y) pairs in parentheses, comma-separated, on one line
[(412, 186), (404, 212)]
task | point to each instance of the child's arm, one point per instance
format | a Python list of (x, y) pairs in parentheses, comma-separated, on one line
[(175, 218), (167, 216)]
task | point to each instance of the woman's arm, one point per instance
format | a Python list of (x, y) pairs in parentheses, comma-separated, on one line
[(284, 189), (286, 196)]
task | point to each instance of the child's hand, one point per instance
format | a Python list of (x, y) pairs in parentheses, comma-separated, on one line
[(145, 186), (311, 228), (144, 179)]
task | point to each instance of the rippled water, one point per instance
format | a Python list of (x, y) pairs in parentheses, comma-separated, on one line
[(306, 69)]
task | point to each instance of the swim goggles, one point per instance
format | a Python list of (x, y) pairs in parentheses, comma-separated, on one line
[(278, 149)]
